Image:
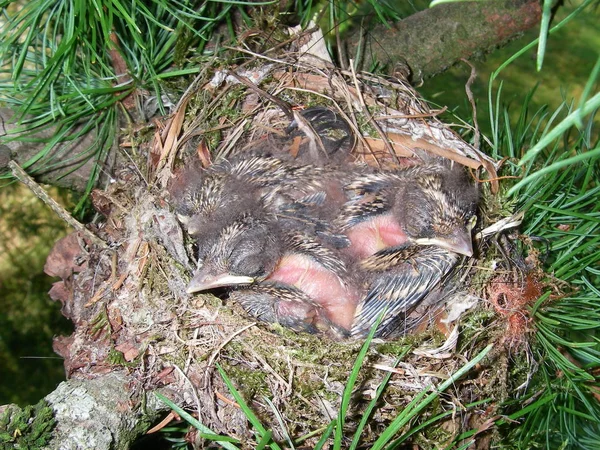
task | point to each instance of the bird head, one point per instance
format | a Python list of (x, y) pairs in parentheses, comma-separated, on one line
[(242, 253), (439, 209)]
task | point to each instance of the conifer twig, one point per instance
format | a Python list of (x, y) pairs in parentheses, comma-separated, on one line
[(61, 212)]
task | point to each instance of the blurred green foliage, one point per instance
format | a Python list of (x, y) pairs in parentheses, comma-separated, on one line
[(28, 318), (570, 56)]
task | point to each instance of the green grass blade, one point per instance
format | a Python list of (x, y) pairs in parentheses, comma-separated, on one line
[(416, 406), (591, 105), (373, 403), (347, 395), (546, 16), (252, 418), (205, 432), (326, 435), (281, 422)]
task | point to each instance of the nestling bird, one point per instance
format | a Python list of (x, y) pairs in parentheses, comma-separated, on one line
[(287, 306), (296, 280), (407, 229), (253, 226), (328, 137), (259, 179), (265, 219), (309, 289), (260, 189), (419, 205), (326, 249)]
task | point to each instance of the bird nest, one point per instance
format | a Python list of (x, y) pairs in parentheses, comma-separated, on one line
[(132, 314)]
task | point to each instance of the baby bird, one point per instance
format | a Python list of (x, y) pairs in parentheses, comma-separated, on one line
[(262, 220), (240, 253), (420, 205), (257, 186), (326, 137), (407, 228), (281, 275), (254, 226), (207, 199), (287, 306)]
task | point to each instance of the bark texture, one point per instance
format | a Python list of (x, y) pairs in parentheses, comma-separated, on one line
[(432, 40), (66, 165), (97, 414)]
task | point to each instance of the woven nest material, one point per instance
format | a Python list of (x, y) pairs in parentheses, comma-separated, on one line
[(129, 304)]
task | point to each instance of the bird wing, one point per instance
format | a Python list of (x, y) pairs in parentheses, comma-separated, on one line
[(401, 278), (307, 245), (258, 170), (369, 195), (287, 306), (306, 213)]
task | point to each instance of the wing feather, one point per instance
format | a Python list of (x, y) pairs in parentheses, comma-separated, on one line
[(401, 278)]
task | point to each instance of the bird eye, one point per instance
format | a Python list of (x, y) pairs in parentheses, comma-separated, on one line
[(250, 266), (251, 253), (247, 258)]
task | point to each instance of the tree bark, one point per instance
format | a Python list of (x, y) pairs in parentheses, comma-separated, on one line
[(98, 413), (432, 40), (68, 164)]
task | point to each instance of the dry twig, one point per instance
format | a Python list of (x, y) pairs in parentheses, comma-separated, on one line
[(61, 212)]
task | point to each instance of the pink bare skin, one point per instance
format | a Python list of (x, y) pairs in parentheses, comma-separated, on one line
[(371, 236), (322, 285)]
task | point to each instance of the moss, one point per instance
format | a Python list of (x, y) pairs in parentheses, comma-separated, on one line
[(212, 115), (307, 385), (250, 383), (100, 325), (476, 325), (26, 428), (142, 425), (520, 368), (117, 358), (432, 439)]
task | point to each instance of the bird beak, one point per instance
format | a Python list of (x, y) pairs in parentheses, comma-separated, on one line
[(204, 281), (459, 242), (183, 219)]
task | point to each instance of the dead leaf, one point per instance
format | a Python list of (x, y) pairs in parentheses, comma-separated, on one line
[(130, 351), (60, 292), (66, 257)]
